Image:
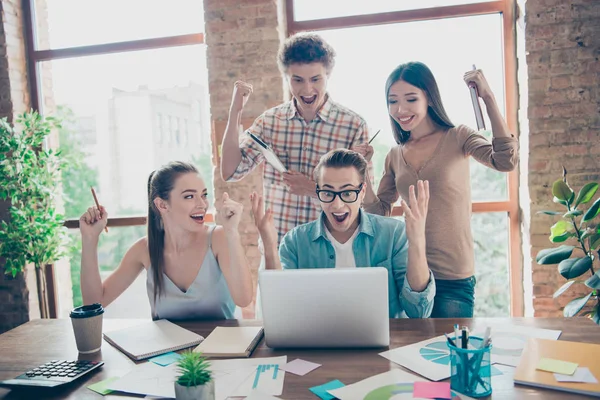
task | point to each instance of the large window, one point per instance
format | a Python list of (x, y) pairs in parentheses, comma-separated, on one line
[(449, 40), (130, 83)]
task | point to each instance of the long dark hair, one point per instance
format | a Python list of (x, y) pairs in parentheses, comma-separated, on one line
[(160, 184), (419, 75)]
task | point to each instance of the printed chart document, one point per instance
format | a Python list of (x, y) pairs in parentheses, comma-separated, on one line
[(394, 384), (149, 379), (240, 377), (152, 338), (431, 358)]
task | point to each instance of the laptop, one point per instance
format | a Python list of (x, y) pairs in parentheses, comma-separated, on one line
[(327, 307)]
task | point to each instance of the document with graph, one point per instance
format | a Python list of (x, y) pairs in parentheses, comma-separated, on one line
[(239, 377)]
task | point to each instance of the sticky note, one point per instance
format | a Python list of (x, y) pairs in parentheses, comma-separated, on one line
[(432, 390), (300, 367), (558, 366), (165, 359), (582, 374), (321, 391), (101, 387)]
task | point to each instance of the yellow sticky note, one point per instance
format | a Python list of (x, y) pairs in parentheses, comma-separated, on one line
[(558, 366)]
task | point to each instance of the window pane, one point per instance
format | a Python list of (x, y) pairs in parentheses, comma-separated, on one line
[(133, 303), (123, 119), (492, 293), (69, 23), (358, 79), (317, 9)]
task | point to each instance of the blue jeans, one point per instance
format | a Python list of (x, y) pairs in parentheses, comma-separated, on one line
[(454, 298)]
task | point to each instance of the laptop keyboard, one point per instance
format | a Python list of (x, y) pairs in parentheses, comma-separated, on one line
[(54, 373)]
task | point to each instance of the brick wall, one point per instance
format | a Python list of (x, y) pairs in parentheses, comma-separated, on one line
[(14, 99), (242, 39), (563, 41)]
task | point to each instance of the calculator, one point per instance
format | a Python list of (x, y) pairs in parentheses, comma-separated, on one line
[(54, 373)]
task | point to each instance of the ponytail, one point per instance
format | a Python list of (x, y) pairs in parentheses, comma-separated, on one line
[(156, 242)]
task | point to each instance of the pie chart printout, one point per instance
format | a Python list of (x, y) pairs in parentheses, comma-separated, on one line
[(398, 391)]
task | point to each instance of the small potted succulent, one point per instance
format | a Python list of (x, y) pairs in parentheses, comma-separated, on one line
[(195, 380)]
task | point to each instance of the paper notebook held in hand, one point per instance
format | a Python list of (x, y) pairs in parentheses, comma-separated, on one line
[(269, 154), (227, 342), (151, 339), (582, 354)]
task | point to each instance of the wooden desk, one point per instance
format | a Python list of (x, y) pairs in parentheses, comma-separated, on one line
[(39, 341)]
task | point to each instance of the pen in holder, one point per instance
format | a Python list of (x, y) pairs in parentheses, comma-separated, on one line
[(470, 369)]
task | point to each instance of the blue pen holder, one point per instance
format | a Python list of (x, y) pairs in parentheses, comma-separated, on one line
[(470, 369)]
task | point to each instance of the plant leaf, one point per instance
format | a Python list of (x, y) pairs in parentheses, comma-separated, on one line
[(559, 201), (559, 228), (595, 315), (561, 238), (586, 193), (549, 212), (587, 233), (593, 281), (563, 289), (595, 241), (573, 213), (592, 211), (576, 305), (562, 191), (574, 267), (554, 256)]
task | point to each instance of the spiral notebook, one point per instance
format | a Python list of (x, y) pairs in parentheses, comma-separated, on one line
[(151, 339)]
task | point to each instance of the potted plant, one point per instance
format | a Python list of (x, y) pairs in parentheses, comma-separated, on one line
[(195, 379), (29, 180), (576, 225)]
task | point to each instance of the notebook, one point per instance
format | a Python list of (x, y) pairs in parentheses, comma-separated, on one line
[(583, 354), (270, 156), (151, 339), (231, 341)]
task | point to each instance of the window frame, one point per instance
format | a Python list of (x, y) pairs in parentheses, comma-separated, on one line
[(507, 9), (35, 57)]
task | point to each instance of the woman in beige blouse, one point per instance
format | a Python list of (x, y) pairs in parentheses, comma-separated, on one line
[(431, 148)]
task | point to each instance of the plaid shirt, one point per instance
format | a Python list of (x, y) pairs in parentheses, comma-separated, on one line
[(299, 145)]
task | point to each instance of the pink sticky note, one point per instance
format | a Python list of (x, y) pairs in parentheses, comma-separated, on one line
[(300, 367), (432, 390)]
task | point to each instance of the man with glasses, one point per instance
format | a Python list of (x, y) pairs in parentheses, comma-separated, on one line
[(347, 237)]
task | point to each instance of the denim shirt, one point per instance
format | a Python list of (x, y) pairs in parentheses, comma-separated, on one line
[(381, 242)]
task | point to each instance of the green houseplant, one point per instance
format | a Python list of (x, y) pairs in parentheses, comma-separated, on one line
[(576, 225), (29, 180), (195, 379)]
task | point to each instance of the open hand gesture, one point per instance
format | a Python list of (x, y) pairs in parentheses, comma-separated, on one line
[(263, 220), (415, 213)]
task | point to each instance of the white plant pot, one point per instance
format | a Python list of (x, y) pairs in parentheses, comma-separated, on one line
[(202, 392)]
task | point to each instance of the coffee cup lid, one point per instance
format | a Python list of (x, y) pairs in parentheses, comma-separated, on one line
[(87, 311)]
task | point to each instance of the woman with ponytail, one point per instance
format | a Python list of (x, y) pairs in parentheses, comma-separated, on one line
[(193, 271)]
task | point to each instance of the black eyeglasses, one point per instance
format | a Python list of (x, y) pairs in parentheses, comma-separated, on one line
[(347, 196)]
